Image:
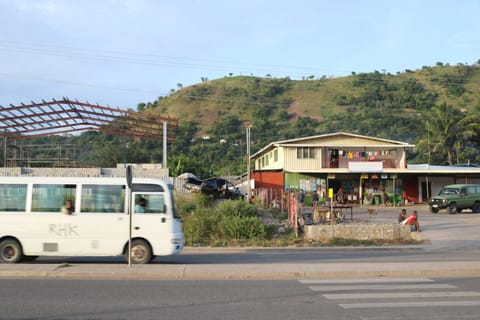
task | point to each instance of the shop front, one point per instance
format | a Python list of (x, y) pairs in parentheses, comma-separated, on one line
[(351, 188)]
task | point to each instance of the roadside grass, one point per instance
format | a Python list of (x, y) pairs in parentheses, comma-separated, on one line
[(237, 223)]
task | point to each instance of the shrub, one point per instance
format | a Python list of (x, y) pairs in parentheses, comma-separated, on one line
[(240, 228), (277, 214), (199, 227), (226, 223), (236, 208)]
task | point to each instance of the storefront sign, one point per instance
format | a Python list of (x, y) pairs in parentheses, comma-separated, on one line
[(365, 166)]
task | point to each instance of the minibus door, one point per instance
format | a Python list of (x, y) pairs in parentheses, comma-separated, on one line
[(150, 219)]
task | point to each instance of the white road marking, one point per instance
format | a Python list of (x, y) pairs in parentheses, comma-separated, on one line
[(402, 295), (367, 280), (415, 304), (382, 287)]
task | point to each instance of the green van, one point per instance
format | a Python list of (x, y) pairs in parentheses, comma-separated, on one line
[(457, 197)]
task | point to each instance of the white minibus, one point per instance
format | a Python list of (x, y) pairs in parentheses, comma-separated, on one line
[(87, 216)]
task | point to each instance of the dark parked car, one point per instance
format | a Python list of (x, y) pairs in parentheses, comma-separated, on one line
[(216, 187), (220, 188)]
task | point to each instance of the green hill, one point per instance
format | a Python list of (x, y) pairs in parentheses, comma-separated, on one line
[(320, 99)]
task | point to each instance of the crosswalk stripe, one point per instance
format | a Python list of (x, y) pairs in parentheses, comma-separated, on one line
[(402, 295), (382, 287), (367, 280), (372, 305)]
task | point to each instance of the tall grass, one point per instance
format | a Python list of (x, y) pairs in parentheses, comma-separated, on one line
[(209, 222)]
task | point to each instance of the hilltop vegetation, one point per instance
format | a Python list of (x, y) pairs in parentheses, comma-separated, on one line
[(436, 108)]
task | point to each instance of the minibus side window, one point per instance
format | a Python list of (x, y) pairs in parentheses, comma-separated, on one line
[(13, 197), (52, 197), (150, 203), (103, 198)]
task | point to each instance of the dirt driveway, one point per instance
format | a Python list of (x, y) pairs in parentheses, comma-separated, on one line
[(442, 230)]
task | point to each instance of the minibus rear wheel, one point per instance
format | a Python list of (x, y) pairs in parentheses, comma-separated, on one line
[(10, 251)]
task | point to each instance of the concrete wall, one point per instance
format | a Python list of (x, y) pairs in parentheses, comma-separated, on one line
[(139, 170), (392, 231)]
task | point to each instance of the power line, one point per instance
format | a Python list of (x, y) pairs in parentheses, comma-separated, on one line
[(171, 61), (146, 59)]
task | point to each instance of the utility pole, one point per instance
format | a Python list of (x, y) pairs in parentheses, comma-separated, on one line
[(248, 126), (429, 154), (164, 144), (5, 151)]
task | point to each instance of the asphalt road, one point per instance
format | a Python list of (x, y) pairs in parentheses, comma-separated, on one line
[(375, 299)]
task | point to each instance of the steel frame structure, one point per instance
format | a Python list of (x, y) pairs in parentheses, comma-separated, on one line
[(67, 116)]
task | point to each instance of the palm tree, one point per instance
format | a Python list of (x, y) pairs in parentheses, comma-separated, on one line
[(471, 124), (443, 132), (471, 133)]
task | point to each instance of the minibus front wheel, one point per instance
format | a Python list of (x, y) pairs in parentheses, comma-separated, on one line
[(141, 252)]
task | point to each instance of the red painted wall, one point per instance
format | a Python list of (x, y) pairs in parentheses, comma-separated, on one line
[(268, 179)]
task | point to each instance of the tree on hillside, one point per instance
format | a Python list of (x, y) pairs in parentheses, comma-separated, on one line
[(471, 126), (443, 134)]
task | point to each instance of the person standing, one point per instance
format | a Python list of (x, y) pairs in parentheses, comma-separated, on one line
[(315, 199), (386, 198), (402, 216), (340, 199), (302, 196)]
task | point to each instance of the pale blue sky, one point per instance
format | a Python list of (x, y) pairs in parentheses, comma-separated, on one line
[(123, 52)]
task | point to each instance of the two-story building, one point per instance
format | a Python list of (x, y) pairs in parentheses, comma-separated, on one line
[(362, 168)]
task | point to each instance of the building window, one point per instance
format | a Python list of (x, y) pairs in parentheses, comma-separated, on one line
[(275, 155), (305, 153)]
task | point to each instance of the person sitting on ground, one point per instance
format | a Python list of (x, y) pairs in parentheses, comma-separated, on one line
[(412, 220), (402, 216)]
